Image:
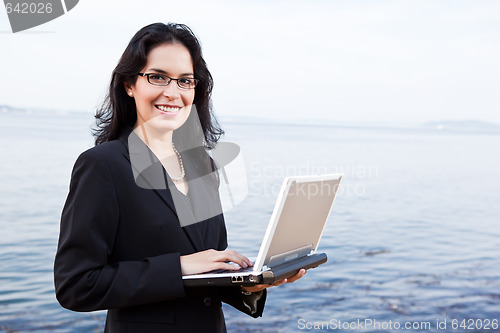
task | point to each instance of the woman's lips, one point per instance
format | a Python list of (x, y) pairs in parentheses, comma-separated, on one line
[(168, 109)]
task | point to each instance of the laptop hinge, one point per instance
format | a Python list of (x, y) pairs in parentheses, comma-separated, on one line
[(284, 257)]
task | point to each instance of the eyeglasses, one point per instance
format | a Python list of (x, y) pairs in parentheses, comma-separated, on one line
[(164, 80)]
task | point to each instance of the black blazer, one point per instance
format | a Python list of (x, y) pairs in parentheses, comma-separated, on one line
[(120, 246)]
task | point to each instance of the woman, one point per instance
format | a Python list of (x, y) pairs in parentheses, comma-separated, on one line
[(124, 242)]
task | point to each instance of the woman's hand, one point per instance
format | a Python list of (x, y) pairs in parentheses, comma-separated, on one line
[(259, 287), (208, 260)]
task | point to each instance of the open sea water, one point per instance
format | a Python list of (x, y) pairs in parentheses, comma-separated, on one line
[(413, 241)]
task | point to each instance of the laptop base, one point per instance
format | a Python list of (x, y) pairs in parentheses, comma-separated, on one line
[(270, 276)]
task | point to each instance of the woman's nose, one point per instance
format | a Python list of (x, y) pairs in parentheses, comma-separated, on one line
[(172, 90)]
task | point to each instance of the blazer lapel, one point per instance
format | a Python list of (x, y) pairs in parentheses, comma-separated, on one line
[(150, 174), (147, 169)]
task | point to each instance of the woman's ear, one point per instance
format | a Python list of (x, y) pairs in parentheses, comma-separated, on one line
[(128, 89)]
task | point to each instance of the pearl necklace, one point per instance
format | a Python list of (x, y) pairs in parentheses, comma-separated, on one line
[(183, 173)]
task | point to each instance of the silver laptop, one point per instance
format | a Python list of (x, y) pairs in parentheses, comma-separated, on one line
[(292, 237)]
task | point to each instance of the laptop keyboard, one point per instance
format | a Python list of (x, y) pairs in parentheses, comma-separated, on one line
[(241, 270)]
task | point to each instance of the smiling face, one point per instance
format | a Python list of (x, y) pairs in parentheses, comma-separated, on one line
[(162, 109)]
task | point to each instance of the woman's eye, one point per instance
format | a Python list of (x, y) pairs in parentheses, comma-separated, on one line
[(186, 81), (157, 77)]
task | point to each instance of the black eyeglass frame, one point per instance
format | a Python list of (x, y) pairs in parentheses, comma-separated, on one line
[(196, 81)]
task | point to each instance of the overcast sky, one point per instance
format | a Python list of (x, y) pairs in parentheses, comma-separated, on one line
[(389, 61)]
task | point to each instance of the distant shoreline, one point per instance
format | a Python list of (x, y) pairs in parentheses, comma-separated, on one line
[(470, 126)]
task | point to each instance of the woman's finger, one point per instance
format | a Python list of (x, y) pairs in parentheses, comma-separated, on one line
[(233, 256), (297, 276), (211, 259), (280, 282)]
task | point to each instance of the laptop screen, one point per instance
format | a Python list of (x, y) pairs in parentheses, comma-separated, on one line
[(298, 219)]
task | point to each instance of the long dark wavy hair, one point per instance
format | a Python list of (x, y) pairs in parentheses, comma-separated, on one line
[(118, 110)]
